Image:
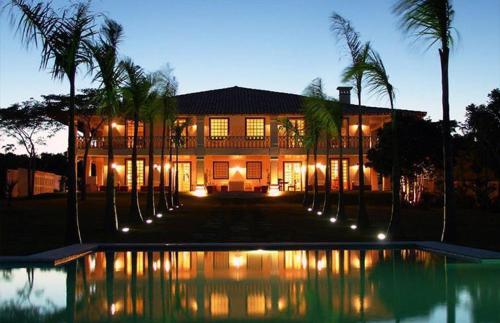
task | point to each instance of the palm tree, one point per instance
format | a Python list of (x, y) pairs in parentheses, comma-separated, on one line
[(110, 74), (344, 31), (178, 140), (136, 91), (431, 21), (63, 38), (150, 113), (314, 96), (167, 88), (326, 113), (378, 82)]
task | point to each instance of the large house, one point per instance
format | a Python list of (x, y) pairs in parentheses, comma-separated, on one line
[(234, 143)]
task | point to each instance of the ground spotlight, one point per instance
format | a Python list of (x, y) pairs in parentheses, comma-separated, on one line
[(381, 236), (319, 213), (353, 227), (125, 229), (159, 215), (149, 221), (177, 206), (309, 209), (333, 220)]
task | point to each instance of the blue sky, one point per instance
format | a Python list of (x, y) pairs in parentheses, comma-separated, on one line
[(276, 45)]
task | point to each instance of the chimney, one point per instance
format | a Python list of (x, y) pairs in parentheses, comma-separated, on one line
[(345, 94)]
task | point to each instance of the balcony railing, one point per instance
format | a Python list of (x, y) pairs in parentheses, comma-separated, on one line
[(126, 142), (284, 142), (236, 142), (347, 142)]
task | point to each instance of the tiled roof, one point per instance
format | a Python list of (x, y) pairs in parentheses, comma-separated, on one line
[(240, 100)]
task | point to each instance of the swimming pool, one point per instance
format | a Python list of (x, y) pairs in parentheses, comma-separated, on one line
[(256, 285)]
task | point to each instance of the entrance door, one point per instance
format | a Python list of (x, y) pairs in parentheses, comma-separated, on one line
[(292, 176), (184, 176), (140, 173)]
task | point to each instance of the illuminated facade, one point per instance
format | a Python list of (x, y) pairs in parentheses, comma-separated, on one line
[(234, 142)]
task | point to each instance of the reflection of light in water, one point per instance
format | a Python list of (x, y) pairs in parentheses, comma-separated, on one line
[(256, 304), (358, 304), (92, 263), (167, 265), (321, 264), (118, 264), (282, 303), (193, 305), (219, 304)]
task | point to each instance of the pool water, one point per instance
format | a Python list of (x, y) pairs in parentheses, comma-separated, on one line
[(254, 286)]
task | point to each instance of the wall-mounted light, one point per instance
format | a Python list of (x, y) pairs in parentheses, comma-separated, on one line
[(114, 125), (200, 191), (113, 165)]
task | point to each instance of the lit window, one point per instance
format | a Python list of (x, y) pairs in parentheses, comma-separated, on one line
[(254, 170), (219, 304), (219, 128), (335, 173), (129, 126), (140, 172), (255, 128), (221, 170)]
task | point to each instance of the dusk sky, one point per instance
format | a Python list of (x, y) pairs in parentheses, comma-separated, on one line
[(278, 45)]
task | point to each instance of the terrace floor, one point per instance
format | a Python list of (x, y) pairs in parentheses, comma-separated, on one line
[(36, 225)]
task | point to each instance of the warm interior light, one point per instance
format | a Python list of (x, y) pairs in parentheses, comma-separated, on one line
[(274, 191), (353, 227), (200, 191), (333, 220), (149, 221), (167, 166), (159, 215), (381, 236), (125, 229)]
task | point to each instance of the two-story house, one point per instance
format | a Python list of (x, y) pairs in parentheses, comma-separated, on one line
[(234, 142)]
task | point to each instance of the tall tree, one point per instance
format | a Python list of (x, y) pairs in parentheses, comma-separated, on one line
[(150, 113), (178, 140), (431, 21), (326, 113), (314, 95), (110, 75), (167, 88), (86, 105), (358, 53), (135, 90), (377, 80), (63, 37), (29, 125)]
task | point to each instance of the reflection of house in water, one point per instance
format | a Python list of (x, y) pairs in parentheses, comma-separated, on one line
[(232, 284)]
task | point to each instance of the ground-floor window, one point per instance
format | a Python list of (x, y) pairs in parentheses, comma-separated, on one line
[(292, 176), (335, 173), (254, 170), (184, 176), (140, 172), (221, 170)]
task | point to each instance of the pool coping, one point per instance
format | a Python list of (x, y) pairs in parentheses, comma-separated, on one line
[(60, 256)]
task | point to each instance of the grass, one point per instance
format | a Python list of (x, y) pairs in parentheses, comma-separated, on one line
[(30, 226)]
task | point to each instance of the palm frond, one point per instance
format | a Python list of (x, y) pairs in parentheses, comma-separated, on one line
[(377, 78), (430, 20)]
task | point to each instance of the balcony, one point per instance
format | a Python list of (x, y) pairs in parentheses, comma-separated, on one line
[(126, 142), (237, 142), (285, 142)]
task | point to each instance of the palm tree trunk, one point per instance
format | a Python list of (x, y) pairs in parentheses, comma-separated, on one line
[(327, 203), (72, 225), (170, 196), (176, 192), (162, 201), (449, 200), (135, 210), (315, 193), (395, 222), (83, 186), (341, 216), (362, 216), (305, 200), (111, 221), (150, 206)]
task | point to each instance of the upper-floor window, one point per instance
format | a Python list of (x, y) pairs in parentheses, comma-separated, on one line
[(254, 128), (219, 128), (180, 122), (298, 125), (129, 133)]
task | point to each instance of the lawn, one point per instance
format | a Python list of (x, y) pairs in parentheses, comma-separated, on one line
[(30, 226)]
